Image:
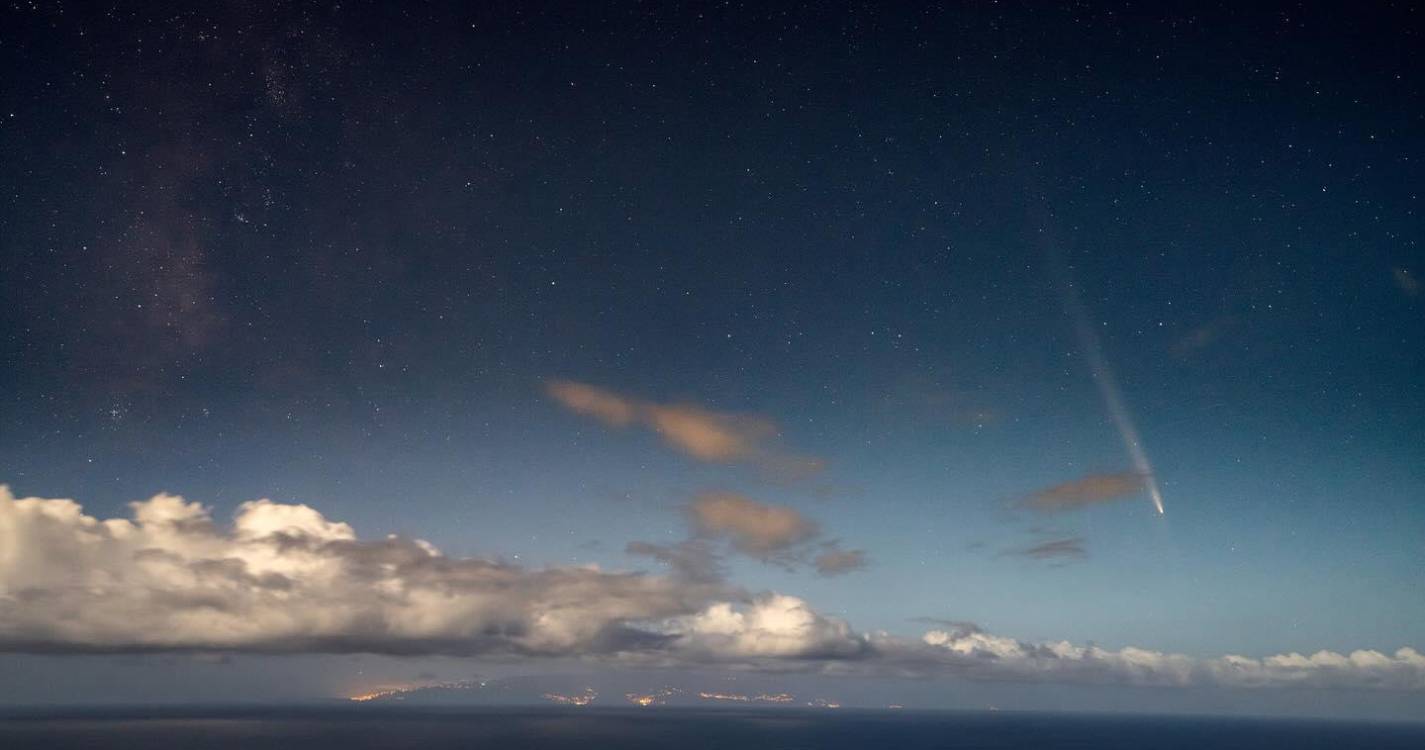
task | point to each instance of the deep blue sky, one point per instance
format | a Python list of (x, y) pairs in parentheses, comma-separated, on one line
[(331, 255)]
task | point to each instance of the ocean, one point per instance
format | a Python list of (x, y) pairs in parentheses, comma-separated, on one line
[(596, 729)]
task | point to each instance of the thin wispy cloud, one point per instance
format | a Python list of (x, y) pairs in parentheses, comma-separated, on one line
[(1405, 281), (931, 398), (691, 559), (1067, 549), (831, 560), (1201, 337), (1086, 491), (606, 406), (703, 434)]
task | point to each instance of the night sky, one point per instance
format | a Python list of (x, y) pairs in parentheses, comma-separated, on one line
[(800, 299)]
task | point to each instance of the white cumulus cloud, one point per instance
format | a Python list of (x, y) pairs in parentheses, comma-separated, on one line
[(284, 578)]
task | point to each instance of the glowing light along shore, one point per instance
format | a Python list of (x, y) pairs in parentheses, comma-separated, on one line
[(734, 697), (578, 699), (397, 693), (374, 695), (655, 698), (779, 698)]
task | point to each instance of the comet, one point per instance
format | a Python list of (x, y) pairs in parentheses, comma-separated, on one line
[(1107, 382)]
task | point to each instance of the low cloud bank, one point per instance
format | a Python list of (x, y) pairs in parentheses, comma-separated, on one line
[(974, 653), (283, 578)]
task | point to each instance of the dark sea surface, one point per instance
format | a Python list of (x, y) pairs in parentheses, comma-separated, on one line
[(597, 729)]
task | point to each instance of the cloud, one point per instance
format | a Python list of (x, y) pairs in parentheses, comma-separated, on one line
[(1066, 549), (756, 529), (975, 654), (929, 397), (1084, 491), (775, 534), (1201, 337), (1405, 281), (610, 408), (775, 626), (834, 561), (709, 436), (691, 559), (284, 578), (706, 435)]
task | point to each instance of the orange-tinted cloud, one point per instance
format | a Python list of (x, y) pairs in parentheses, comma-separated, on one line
[(706, 435), (1085, 491), (774, 534), (834, 561), (757, 529), (709, 436), (603, 405)]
